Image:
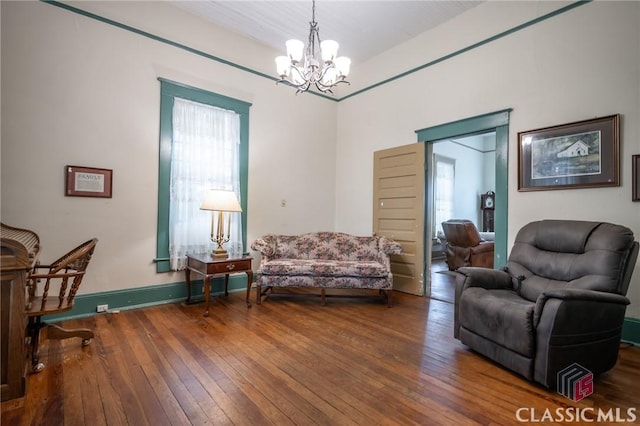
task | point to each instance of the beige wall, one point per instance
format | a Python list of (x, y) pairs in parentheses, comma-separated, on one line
[(579, 65), (82, 92)]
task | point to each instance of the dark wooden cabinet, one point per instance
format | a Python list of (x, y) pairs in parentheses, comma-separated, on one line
[(13, 323)]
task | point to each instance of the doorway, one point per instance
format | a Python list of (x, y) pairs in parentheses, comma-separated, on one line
[(462, 169), (497, 123)]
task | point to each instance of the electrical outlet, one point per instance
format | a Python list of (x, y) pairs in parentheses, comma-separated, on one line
[(102, 308)]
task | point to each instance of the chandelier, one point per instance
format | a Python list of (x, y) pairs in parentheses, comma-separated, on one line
[(301, 69)]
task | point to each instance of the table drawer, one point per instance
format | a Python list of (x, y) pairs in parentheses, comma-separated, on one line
[(229, 267)]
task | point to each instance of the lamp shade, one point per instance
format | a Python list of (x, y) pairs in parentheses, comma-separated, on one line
[(221, 200), (295, 49), (329, 50)]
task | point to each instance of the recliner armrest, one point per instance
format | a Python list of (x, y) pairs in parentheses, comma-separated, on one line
[(577, 295), (483, 247), (470, 276)]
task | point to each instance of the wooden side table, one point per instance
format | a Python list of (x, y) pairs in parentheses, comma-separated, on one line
[(209, 267)]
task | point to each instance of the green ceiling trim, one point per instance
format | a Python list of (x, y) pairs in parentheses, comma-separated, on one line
[(471, 47), (171, 43), (275, 79)]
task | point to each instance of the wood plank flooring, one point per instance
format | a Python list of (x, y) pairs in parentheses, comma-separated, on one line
[(290, 361)]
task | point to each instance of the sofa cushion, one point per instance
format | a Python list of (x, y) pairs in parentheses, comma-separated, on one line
[(326, 245), (324, 268), (500, 316)]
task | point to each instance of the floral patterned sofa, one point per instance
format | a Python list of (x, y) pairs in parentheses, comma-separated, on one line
[(325, 260)]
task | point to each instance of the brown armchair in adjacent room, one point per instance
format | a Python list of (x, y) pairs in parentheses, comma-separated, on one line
[(59, 283), (464, 246)]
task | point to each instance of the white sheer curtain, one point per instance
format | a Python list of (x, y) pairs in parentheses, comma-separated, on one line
[(204, 155), (444, 187)]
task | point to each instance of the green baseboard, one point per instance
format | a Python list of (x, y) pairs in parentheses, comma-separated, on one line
[(85, 304), (631, 331)]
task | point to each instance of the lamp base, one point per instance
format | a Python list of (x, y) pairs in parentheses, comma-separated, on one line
[(220, 253)]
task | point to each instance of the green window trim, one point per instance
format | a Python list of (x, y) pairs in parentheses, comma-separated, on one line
[(168, 91)]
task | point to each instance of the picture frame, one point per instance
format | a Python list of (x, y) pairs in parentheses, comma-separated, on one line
[(88, 182), (583, 154), (635, 168)]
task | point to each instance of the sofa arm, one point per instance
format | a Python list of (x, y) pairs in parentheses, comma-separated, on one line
[(265, 246), (389, 247)]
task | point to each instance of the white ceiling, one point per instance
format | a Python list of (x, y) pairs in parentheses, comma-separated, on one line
[(363, 28)]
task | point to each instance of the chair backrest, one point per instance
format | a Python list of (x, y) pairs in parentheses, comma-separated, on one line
[(77, 259), (557, 254), (65, 274), (461, 233)]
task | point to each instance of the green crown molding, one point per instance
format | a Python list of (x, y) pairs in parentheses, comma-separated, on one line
[(275, 79)]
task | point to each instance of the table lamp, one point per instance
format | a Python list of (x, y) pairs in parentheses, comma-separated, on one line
[(220, 201)]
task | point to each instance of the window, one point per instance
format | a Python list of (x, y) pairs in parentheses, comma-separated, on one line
[(203, 145), (444, 184)]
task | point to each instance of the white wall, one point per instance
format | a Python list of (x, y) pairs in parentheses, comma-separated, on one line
[(469, 179), (76, 91), (578, 65)]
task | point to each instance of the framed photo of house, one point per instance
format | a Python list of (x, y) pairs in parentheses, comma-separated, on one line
[(635, 167), (584, 154), (88, 182)]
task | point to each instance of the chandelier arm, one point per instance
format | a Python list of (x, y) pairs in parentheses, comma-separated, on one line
[(327, 88)]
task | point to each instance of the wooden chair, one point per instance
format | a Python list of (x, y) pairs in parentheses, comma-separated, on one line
[(61, 282)]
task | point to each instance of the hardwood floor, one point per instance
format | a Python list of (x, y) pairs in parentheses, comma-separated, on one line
[(290, 361), (442, 281)]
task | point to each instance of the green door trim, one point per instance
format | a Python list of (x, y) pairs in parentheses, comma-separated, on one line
[(497, 121)]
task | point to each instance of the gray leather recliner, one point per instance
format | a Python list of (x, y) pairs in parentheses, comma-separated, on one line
[(561, 299)]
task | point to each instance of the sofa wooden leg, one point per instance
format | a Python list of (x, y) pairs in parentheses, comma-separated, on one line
[(258, 294), (323, 302), (389, 300)]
